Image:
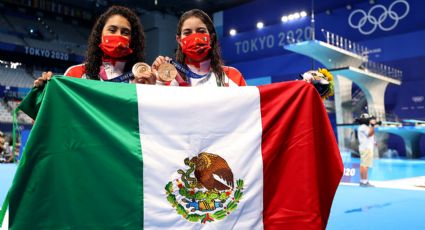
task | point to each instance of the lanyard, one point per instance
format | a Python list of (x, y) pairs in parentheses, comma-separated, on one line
[(126, 77), (189, 74), (187, 71)]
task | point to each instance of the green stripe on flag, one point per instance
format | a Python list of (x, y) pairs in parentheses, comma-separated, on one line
[(82, 166)]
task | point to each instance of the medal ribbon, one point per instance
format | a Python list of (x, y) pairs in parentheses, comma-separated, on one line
[(126, 77), (186, 70)]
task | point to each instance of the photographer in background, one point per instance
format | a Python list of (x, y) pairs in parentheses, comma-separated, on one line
[(366, 137)]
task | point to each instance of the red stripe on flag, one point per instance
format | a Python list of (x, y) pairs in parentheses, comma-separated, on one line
[(301, 161)]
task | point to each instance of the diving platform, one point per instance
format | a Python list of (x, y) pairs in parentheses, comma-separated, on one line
[(415, 122), (410, 134), (328, 55), (362, 76), (372, 84)]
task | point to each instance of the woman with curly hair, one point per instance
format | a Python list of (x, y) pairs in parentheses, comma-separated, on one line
[(199, 52), (115, 44)]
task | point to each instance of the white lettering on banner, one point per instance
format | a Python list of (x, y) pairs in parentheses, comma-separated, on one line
[(418, 99), (349, 171), (46, 53), (262, 42), (272, 41), (369, 17), (373, 51), (254, 44)]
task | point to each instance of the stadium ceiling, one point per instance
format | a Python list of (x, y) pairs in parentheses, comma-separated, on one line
[(177, 7)]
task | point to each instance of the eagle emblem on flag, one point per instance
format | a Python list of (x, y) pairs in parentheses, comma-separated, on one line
[(206, 190)]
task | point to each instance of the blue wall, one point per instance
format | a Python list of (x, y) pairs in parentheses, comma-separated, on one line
[(397, 40)]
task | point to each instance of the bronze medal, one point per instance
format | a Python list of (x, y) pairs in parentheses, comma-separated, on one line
[(167, 72), (139, 68)]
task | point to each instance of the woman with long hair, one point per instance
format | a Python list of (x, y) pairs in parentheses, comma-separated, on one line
[(115, 44), (199, 52)]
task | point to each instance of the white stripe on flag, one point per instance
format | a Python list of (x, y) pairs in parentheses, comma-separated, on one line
[(222, 121), (5, 224)]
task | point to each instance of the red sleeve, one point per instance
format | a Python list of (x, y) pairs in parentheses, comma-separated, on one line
[(234, 75), (76, 71)]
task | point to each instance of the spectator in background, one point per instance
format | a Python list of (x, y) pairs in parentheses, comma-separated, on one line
[(366, 136), (2, 152), (6, 155), (115, 44)]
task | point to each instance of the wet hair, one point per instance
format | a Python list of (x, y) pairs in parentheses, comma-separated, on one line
[(137, 43), (215, 53)]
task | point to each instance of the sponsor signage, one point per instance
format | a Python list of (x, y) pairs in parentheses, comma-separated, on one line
[(268, 41), (40, 52)]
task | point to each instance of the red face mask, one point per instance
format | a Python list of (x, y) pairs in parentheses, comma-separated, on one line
[(115, 46), (196, 46)]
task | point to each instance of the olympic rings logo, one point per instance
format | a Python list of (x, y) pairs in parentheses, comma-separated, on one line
[(377, 22)]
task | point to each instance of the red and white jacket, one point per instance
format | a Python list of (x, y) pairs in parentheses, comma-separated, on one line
[(108, 70), (77, 71)]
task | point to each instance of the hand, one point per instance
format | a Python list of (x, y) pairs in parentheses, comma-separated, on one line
[(158, 61), (307, 78), (310, 76), (41, 81), (155, 66), (145, 78)]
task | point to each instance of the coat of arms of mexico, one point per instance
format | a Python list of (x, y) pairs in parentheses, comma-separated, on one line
[(206, 190)]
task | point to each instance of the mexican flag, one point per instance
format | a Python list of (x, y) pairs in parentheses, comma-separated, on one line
[(107, 155)]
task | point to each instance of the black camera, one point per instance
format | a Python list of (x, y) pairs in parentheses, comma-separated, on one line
[(365, 119)]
